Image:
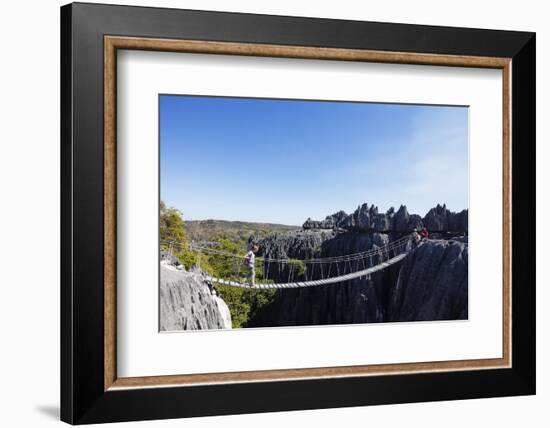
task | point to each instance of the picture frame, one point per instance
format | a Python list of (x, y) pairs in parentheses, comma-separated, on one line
[(91, 391)]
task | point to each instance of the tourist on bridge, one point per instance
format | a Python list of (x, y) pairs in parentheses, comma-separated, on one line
[(415, 238), (424, 234), (249, 262)]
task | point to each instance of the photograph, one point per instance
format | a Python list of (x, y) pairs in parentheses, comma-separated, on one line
[(289, 212), (267, 211)]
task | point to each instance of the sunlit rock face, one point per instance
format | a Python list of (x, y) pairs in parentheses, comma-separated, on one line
[(187, 303), (440, 219), (367, 218)]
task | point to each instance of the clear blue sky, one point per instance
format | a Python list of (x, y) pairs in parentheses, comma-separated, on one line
[(282, 161)]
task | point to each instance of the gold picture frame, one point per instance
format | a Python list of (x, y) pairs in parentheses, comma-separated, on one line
[(114, 43)]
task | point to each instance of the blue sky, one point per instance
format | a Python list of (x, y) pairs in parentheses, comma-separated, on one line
[(282, 161)]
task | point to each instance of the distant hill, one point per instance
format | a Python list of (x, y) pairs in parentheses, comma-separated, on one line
[(235, 231)]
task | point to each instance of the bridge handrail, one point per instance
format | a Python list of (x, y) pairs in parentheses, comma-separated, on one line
[(344, 258)]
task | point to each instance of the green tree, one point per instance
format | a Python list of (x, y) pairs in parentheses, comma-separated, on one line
[(172, 229)]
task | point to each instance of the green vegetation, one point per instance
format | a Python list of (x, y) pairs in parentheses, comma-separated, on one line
[(297, 267), (172, 229), (234, 231), (243, 303), (231, 237)]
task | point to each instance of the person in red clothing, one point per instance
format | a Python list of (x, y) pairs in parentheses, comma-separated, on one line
[(424, 233)]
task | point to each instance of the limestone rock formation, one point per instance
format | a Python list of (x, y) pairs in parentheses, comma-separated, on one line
[(403, 222), (440, 219), (169, 259), (298, 245), (357, 301), (361, 218), (458, 222), (330, 222), (186, 302), (337, 218), (432, 283), (367, 219), (382, 222)]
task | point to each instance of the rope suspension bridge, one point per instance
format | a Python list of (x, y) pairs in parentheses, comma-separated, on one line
[(304, 273)]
